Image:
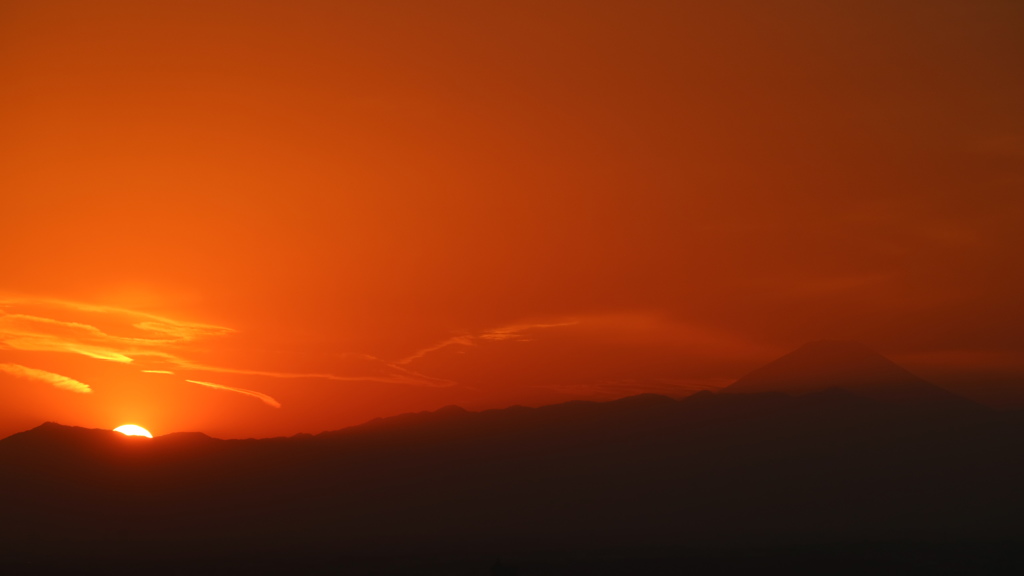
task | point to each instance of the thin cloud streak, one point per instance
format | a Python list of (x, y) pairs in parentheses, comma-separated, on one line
[(503, 333), (164, 340), (594, 356), (400, 375), (31, 332), (58, 381), (42, 344), (156, 323), (453, 341), (516, 331), (269, 401)]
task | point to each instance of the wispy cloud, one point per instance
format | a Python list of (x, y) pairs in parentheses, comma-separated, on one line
[(518, 332), (179, 330), (62, 382), (163, 345), (42, 343), (358, 368), (605, 355), (521, 331), (152, 334), (262, 397), (453, 341)]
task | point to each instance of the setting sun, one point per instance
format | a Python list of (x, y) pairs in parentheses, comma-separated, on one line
[(133, 430)]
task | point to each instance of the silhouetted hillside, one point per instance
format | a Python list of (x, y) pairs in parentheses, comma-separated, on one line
[(706, 481)]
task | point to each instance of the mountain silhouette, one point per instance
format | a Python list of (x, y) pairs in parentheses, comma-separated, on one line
[(825, 364), (823, 481)]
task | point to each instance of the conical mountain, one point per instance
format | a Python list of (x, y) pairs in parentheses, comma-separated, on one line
[(851, 366)]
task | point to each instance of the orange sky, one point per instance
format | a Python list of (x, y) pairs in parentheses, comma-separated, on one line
[(315, 212)]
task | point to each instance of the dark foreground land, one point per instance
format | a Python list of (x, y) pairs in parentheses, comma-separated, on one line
[(830, 481), (842, 560)]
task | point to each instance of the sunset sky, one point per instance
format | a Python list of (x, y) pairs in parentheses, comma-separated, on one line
[(258, 218)]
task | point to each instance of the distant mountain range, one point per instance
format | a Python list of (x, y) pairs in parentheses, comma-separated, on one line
[(850, 366), (831, 448)]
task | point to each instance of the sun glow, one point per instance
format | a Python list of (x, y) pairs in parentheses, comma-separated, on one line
[(133, 430)]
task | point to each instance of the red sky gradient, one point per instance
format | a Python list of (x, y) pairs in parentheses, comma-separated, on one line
[(314, 213)]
